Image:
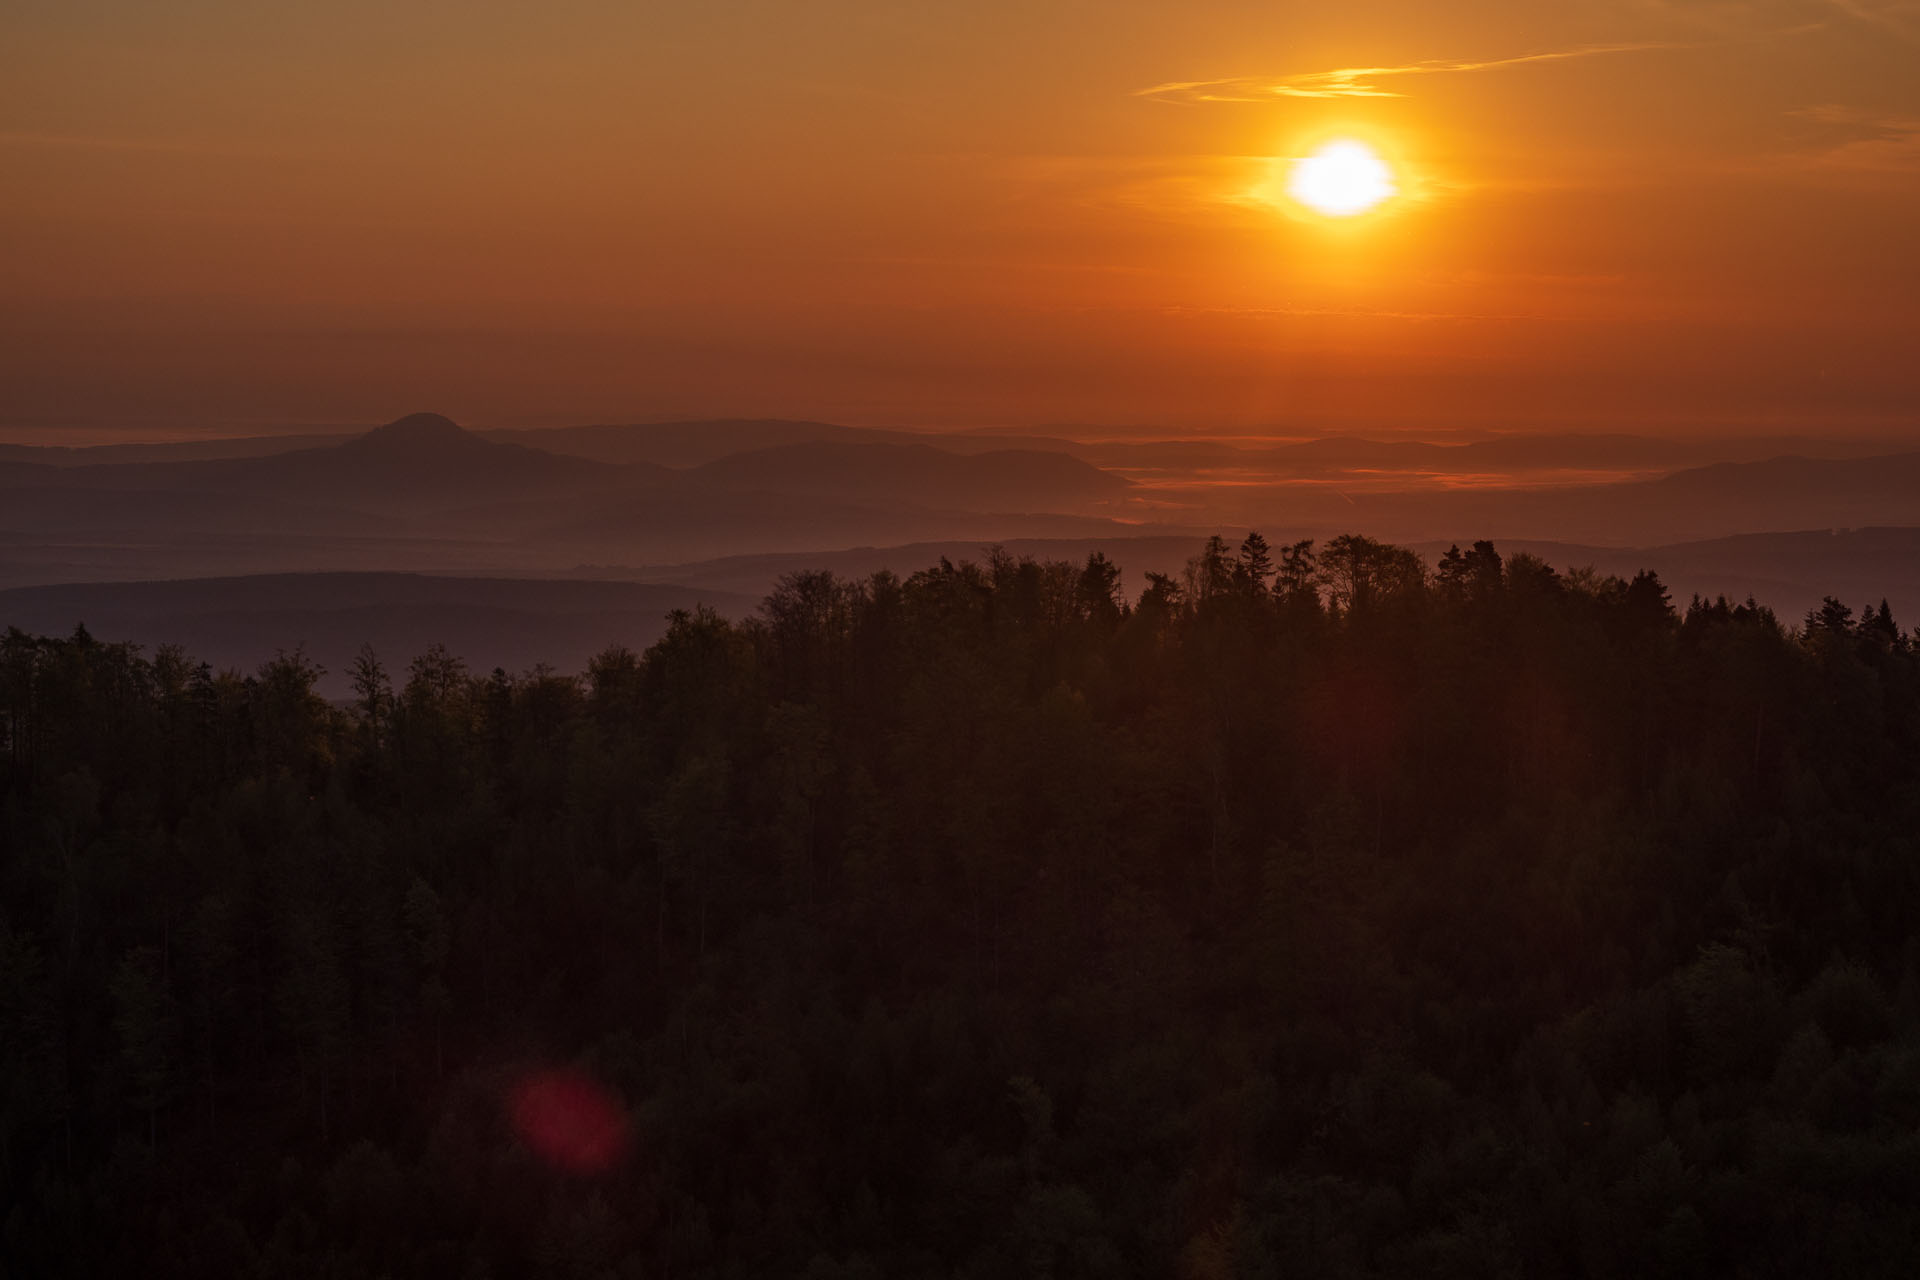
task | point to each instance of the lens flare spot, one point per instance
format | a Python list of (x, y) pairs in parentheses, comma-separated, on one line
[(570, 1121)]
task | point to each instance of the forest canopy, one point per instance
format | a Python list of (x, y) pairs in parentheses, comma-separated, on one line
[(1315, 911)]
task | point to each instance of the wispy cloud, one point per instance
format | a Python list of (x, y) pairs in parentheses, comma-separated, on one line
[(1899, 18), (1847, 139), (1360, 82)]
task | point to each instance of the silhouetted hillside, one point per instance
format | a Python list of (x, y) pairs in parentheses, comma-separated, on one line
[(413, 466), (420, 464)]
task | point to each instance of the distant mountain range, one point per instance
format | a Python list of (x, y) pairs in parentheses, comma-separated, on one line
[(423, 494), (427, 462), (682, 445), (415, 466)]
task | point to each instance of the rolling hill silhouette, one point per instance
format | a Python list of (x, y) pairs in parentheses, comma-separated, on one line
[(423, 494), (423, 461), (426, 462), (413, 465)]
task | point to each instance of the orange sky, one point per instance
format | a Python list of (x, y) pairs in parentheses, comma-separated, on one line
[(1672, 214)]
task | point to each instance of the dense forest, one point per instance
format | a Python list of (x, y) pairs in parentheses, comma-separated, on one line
[(1317, 912)]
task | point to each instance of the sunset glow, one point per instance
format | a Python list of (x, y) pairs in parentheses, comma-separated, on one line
[(933, 216)]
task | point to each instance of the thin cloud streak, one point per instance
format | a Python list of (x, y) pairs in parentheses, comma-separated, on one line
[(1862, 141), (77, 142), (1360, 82)]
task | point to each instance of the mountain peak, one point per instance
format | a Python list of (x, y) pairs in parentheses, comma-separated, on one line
[(418, 428)]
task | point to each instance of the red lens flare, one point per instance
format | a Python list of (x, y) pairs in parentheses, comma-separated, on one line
[(569, 1120)]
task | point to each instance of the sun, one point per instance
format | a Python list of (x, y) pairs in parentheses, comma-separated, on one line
[(1341, 179)]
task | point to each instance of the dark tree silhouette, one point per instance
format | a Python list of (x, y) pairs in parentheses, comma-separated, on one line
[(1313, 913)]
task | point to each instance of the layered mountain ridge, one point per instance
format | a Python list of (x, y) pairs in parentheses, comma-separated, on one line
[(423, 493)]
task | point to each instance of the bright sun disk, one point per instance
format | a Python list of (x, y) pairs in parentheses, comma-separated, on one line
[(1341, 179)]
